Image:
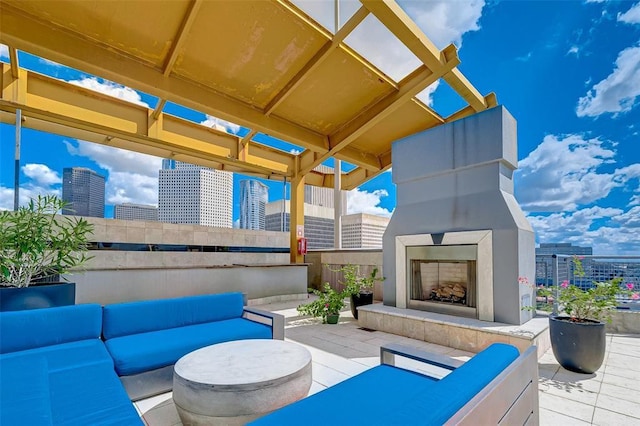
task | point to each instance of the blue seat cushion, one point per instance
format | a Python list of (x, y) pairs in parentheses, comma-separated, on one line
[(148, 351), (49, 326), (24, 391), (122, 319), (69, 355), (90, 395), (392, 385), (407, 398)]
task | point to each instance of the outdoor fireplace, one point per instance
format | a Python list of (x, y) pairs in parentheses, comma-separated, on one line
[(443, 278), (458, 241)]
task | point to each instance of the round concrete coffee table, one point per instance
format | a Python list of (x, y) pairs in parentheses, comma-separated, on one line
[(235, 382)]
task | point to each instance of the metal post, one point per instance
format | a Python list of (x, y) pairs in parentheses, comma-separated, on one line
[(337, 205), (16, 178), (336, 16), (554, 272), (284, 205)]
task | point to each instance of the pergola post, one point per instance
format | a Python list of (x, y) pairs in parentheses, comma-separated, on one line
[(296, 216)]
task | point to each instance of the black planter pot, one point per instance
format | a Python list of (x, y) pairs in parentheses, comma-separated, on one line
[(360, 299), (578, 346), (37, 296)]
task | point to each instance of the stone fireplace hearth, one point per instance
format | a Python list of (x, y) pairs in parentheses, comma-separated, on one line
[(458, 240)]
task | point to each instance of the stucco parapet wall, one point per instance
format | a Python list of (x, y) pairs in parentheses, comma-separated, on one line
[(153, 232), (131, 260)]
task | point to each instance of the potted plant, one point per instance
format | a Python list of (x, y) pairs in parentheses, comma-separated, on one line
[(327, 306), (36, 244), (577, 333), (359, 288)]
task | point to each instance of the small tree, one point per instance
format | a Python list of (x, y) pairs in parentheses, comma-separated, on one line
[(36, 242)]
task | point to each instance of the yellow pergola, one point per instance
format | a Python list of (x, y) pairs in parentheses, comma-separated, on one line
[(262, 64)]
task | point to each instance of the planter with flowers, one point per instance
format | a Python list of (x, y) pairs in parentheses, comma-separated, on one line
[(327, 306), (577, 334)]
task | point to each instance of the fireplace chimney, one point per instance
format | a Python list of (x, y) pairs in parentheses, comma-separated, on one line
[(455, 188)]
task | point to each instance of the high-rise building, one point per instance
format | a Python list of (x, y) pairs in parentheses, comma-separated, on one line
[(253, 199), (83, 189), (194, 194), (128, 211), (319, 196), (318, 223), (361, 230), (544, 260), (563, 248)]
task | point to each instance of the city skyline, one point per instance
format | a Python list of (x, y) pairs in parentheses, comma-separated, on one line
[(572, 85)]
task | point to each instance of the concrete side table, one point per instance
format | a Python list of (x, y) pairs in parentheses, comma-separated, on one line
[(235, 382)]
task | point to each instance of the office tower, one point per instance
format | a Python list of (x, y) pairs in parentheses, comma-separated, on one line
[(319, 196), (253, 199), (361, 230), (128, 211), (318, 223), (195, 195), (544, 261), (83, 189)]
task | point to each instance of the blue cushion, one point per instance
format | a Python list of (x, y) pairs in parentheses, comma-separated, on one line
[(406, 399), (70, 355), (90, 395), (122, 319), (147, 351), (35, 328), (458, 387), (390, 385), (24, 391)]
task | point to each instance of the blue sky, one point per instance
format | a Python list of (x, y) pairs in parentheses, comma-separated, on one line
[(569, 72)]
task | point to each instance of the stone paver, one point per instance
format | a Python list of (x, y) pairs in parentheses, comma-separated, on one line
[(611, 396)]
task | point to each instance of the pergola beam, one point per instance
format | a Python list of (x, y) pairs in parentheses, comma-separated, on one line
[(317, 59), (13, 58), (181, 36), (35, 37), (398, 22), (130, 124)]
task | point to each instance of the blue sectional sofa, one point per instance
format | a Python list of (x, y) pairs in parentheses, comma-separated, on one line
[(54, 369), (496, 386), (146, 338)]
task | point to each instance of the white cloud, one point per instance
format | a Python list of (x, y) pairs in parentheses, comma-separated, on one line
[(573, 50), (524, 58), (618, 92), (41, 181), (133, 177), (561, 174), (41, 174), (49, 62), (607, 230), (635, 200), (4, 51), (367, 202), (631, 16), (111, 89), (220, 124)]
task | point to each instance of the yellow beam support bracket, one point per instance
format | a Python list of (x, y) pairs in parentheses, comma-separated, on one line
[(400, 24), (13, 58), (181, 36)]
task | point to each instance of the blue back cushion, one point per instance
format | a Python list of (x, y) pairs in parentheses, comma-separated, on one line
[(123, 319), (34, 328)]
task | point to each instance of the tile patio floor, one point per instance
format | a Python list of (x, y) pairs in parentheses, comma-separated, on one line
[(611, 396)]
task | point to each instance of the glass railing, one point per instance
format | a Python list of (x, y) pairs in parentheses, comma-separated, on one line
[(552, 270)]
